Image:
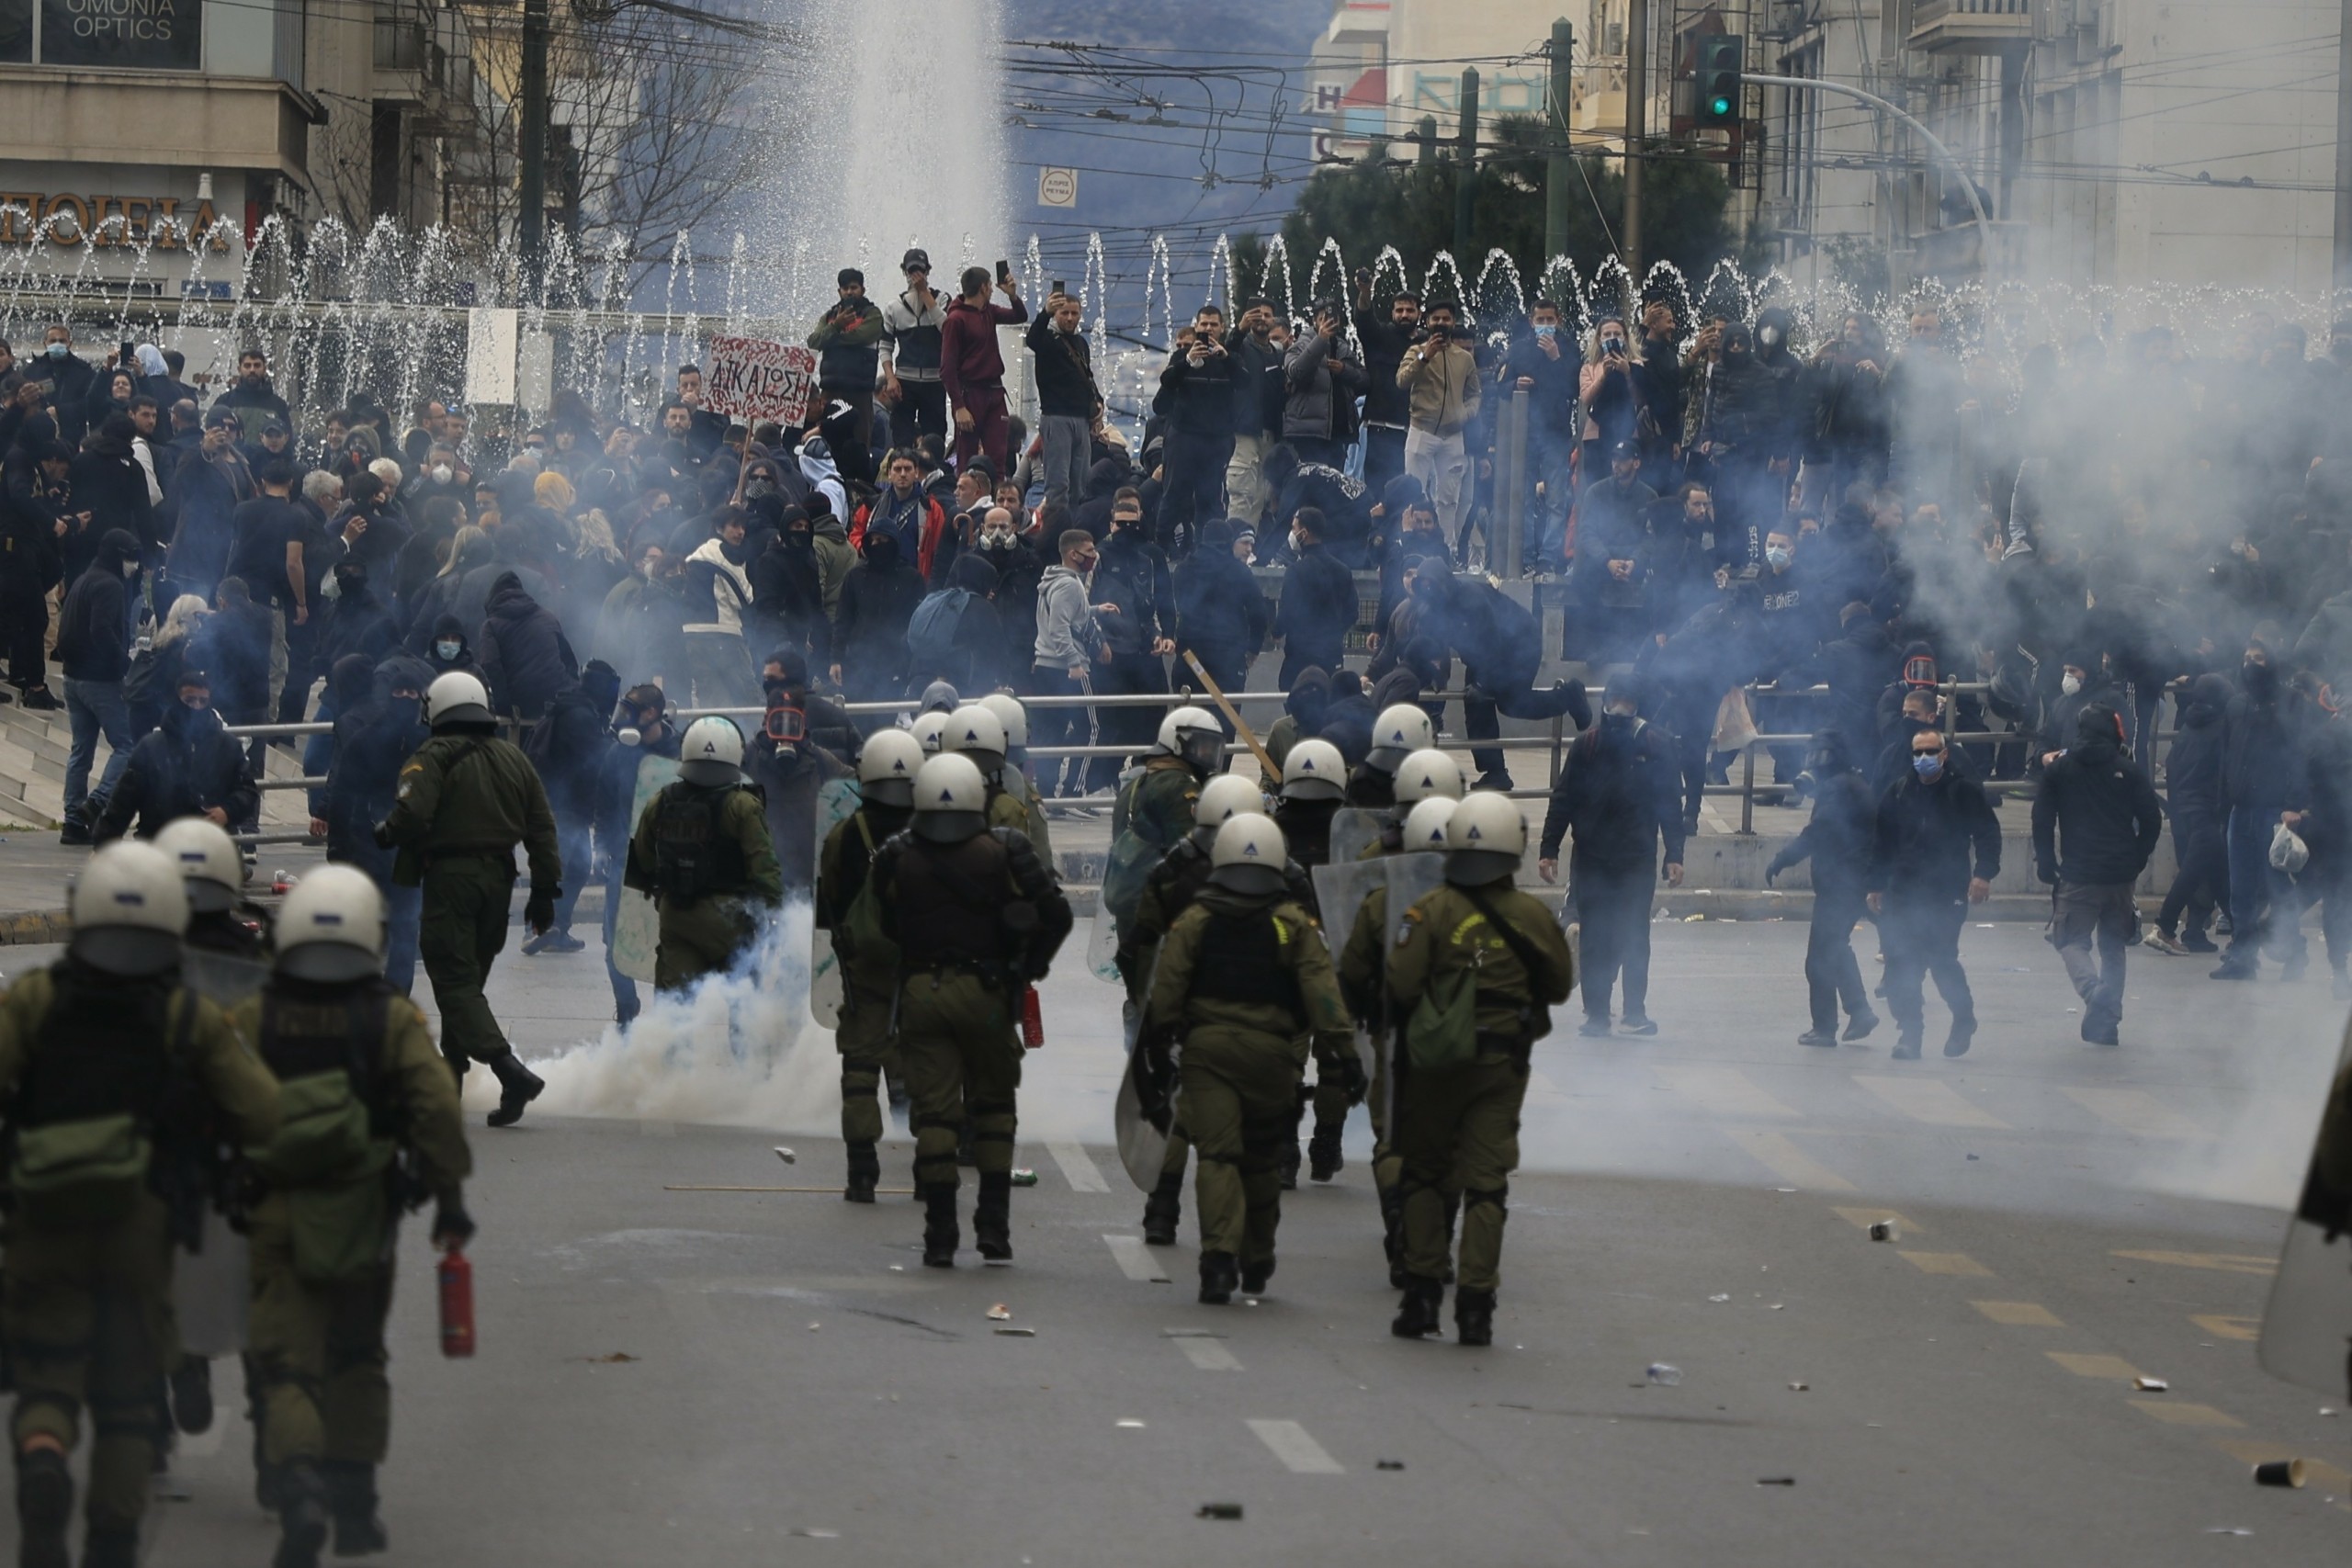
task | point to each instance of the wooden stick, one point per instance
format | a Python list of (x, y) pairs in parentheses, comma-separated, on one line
[(886, 1192), (1241, 726)]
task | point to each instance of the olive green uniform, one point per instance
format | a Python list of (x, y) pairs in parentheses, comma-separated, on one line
[(705, 857), (1457, 1128), (1361, 977), (869, 979), (1244, 982), (464, 802), (86, 1313), (1150, 816), (1012, 783), (323, 1247)]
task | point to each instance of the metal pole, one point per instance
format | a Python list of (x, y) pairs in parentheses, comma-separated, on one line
[(1559, 171), (1748, 788), (2344, 152), (533, 151), (1514, 474), (1637, 73), (1968, 185), (1465, 168), (1425, 140)]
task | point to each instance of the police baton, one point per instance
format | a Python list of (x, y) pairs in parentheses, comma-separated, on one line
[(1241, 726)]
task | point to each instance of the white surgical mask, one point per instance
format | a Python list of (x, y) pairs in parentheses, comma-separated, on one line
[(2071, 684), (447, 650), (441, 474), (1778, 556)]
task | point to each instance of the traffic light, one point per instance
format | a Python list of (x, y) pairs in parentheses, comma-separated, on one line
[(1722, 57)]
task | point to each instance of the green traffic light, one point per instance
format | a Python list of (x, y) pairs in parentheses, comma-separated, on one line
[(1720, 105)]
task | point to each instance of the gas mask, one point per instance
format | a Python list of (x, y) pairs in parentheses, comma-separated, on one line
[(1920, 670), (785, 725)]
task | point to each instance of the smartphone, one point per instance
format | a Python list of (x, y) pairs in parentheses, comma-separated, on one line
[(1060, 287), (48, 388), (1004, 272)]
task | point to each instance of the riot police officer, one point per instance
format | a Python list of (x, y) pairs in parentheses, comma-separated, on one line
[(1315, 781), (1425, 775), (848, 908), (113, 1074), (372, 1121), (701, 851), (1242, 982), (466, 799), (1015, 776), (212, 873), (1472, 977), (974, 732), (1401, 729), (1155, 808), (975, 918)]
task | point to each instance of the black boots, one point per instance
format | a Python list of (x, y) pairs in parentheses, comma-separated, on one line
[(517, 1087), (1392, 1222), (301, 1516), (1416, 1314), (1323, 1160), (1163, 1210), (940, 1233), (44, 1508), (1906, 1045), (110, 1548), (1219, 1275), (1473, 1317), (351, 1497), (191, 1384), (1290, 1166), (864, 1173), (992, 1220), (1254, 1277), (1963, 1031)]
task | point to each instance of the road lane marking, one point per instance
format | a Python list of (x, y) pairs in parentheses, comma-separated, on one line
[(2136, 1111), (2225, 1262), (1946, 1263), (1078, 1168), (2019, 1314), (2174, 1415), (1778, 1154), (1720, 1090), (2094, 1364), (1924, 1100), (2221, 1325), (1292, 1445), (1209, 1355), (1135, 1259), (1863, 1219)]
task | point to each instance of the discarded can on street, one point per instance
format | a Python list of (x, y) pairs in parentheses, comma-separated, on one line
[(1022, 1177), (2279, 1473), (2151, 1385), (1219, 1511), (281, 882), (1886, 1230), (1665, 1374)]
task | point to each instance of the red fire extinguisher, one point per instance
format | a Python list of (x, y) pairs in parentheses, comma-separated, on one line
[(456, 1278), (1033, 1019)]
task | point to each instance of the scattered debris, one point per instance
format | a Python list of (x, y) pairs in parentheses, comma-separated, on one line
[(818, 1535), (1784, 1189), (814, 1326), (1132, 1424), (1886, 1230), (1025, 1177), (1665, 1374), (1692, 920), (1776, 1481), (1219, 1511), (1011, 1333), (2279, 1473), (1388, 1464), (1720, 1298), (2227, 1530), (897, 1268), (787, 1155), (1800, 1388), (1971, 1156), (2329, 1410), (1000, 1311), (2151, 1385), (614, 1360)]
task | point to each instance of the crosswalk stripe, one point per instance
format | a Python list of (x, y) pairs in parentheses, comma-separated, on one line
[(1135, 1259), (2174, 1415), (2221, 1325), (2094, 1364), (1777, 1153), (1945, 1263), (1209, 1355), (2019, 1314), (1924, 1100), (2226, 1262), (2136, 1111), (1863, 1219), (1720, 1090), (1078, 1168), (1297, 1450)]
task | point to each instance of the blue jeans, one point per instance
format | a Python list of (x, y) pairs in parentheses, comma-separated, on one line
[(93, 707), (624, 989), (2260, 896), (1069, 451), (571, 837), (404, 923), (1552, 457)]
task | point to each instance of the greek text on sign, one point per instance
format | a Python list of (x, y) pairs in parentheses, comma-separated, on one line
[(1058, 187), (752, 377)]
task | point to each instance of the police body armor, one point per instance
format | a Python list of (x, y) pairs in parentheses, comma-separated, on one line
[(1306, 828), (956, 904), (694, 857), (335, 1148), (1241, 960)]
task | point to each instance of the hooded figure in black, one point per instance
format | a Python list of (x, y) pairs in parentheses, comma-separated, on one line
[(525, 655), (791, 769), (2199, 814), (878, 598), (358, 623), (1837, 841), (186, 766), (568, 748), (450, 648), (2096, 823), (2265, 774), (1500, 647), (789, 591), (1302, 718), (372, 738), (1935, 849)]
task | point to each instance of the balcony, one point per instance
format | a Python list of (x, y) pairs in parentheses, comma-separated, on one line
[(1972, 27)]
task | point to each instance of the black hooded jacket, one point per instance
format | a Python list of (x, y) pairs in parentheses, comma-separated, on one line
[(525, 655), (94, 625), (372, 738), (2101, 803), (185, 765), (2193, 792), (878, 598), (1836, 838), (788, 591), (1621, 790)]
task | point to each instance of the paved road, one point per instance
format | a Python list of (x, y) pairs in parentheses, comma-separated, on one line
[(802, 1391)]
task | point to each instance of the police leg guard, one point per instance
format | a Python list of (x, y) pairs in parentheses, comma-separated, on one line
[(964, 1155), (517, 1087), (351, 1497), (1323, 1158), (1452, 1213), (110, 1548), (1418, 1313), (1392, 1238), (940, 1233), (992, 1217), (865, 1173), (192, 1394), (1163, 1211), (302, 1516), (1473, 1317), (1219, 1274), (44, 1508)]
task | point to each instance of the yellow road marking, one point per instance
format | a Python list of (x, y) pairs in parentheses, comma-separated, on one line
[(2223, 1326), (2175, 1415), (2094, 1364), (2136, 1111), (2226, 1262), (1863, 1219), (2019, 1314), (1924, 1100), (1720, 1090), (1778, 1154), (1946, 1263)]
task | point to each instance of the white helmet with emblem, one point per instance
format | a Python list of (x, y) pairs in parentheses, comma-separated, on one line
[(711, 754), (1224, 797), (1248, 856), (331, 928), (927, 728), (211, 870), (951, 799), (887, 766), (1314, 770), (1012, 716), (1426, 776), (1485, 840), (1424, 827), (455, 698), (129, 910), (1399, 731), (975, 732)]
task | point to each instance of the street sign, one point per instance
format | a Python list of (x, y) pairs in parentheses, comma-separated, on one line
[(1058, 187)]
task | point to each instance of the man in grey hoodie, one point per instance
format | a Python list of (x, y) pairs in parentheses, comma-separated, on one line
[(1069, 639)]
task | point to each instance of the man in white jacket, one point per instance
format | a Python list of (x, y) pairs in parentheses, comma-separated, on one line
[(717, 593)]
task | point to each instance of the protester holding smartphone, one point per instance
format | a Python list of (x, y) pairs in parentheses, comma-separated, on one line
[(971, 367)]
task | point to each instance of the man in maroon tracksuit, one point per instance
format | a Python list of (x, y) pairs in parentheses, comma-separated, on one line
[(972, 369)]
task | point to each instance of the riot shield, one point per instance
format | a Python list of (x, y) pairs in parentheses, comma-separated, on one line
[(1103, 948), (1412, 878), (1341, 889), (637, 928), (1140, 1131), (836, 800), (1353, 827), (210, 1289), (2311, 1299), (221, 978)]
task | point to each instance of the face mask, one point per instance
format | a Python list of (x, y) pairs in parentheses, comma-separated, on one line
[(403, 711), (57, 350), (332, 586), (2071, 684), (1778, 556), (996, 541), (1928, 765), (446, 651), (442, 474), (130, 568), (1769, 337), (1547, 331)]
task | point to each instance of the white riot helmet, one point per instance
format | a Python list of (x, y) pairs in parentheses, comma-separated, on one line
[(1428, 775), (951, 799), (927, 728), (1012, 716), (455, 698), (886, 767), (211, 871), (975, 732), (1425, 825), (1485, 840), (1193, 733), (1314, 770), (1224, 797), (1401, 730), (711, 754), (331, 928), (1248, 856), (129, 910)]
